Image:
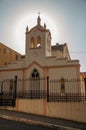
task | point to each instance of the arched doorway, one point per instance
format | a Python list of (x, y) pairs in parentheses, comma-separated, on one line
[(35, 84)]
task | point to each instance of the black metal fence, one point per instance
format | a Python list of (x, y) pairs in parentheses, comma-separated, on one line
[(67, 90), (53, 90), (34, 88), (8, 92)]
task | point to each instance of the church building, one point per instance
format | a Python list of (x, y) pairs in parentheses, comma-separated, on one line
[(42, 59)]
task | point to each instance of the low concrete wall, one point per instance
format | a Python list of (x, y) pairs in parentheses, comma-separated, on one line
[(35, 106), (72, 111)]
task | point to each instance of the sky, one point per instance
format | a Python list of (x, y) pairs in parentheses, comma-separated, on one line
[(66, 19)]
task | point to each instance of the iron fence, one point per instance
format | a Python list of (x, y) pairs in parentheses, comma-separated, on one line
[(32, 88), (53, 90), (67, 90), (8, 92)]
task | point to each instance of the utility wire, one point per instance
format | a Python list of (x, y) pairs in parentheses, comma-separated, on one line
[(78, 52)]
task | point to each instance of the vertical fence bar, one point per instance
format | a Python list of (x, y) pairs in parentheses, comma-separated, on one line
[(2, 88), (85, 82), (1, 94), (47, 89), (15, 87), (15, 91), (85, 87)]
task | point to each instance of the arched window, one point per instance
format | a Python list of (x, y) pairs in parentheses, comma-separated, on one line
[(35, 74), (32, 43), (38, 41)]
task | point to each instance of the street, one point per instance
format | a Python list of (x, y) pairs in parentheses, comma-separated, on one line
[(13, 125)]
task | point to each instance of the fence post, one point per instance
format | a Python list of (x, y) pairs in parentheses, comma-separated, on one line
[(47, 89), (85, 86), (15, 87), (2, 87), (1, 94), (85, 81)]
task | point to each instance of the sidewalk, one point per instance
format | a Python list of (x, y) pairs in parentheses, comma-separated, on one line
[(56, 123)]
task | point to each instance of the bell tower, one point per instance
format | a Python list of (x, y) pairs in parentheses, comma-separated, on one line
[(38, 41)]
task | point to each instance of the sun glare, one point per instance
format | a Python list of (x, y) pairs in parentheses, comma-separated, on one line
[(31, 21)]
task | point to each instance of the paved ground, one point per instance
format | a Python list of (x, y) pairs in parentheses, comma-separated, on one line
[(14, 125), (42, 120)]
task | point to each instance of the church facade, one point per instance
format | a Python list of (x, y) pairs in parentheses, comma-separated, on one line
[(44, 60)]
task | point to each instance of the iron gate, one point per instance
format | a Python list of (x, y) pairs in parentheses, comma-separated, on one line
[(8, 92)]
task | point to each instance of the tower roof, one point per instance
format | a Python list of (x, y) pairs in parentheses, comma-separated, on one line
[(39, 26)]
